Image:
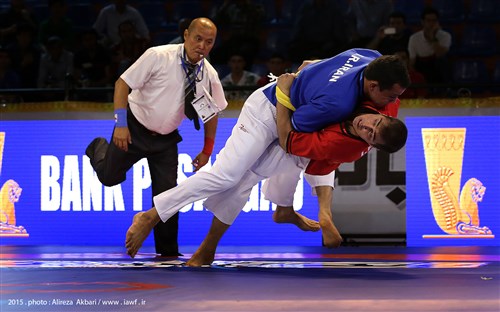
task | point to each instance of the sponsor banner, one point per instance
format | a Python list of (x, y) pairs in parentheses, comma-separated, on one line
[(453, 168), (50, 190), (51, 196)]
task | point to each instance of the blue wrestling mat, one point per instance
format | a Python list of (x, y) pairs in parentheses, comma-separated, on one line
[(252, 279)]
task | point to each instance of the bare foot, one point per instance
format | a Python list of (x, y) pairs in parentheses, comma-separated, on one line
[(288, 215), (201, 257), (331, 236), (137, 233)]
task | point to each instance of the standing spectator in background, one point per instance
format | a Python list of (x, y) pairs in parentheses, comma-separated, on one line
[(57, 25), (128, 50), (11, 18), (110, 17), (56, 65), (91, 63), (276, 64), (318, 32), (25, 54), (240, 22), (428, 48), (416, 78), (238, 77), (393, 37), (367, 16)]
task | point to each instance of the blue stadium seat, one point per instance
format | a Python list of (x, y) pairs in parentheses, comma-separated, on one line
[(154, 14), (496, 73), (411, 9), (186, 9), (450, 11), (82, 15), (288, 12), (496, 78), (289, 8), (484, 11), (222, 69), (294, 67), (277, 40), (259, 69), (471, 72), (28, 3), (270, 11), (163, 37), (478, 40), (41, 11)]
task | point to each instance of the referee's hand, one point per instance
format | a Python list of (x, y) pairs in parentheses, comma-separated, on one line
[(121, 138), (199, 161)]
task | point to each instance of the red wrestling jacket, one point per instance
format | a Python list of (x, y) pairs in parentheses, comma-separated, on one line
[(332, 146)]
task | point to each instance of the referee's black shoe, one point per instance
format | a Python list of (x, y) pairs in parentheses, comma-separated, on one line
[(95, 149)]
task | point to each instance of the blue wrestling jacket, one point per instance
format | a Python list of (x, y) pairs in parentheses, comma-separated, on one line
[(327, 92)]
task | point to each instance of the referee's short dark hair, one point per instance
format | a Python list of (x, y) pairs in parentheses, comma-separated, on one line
[(388, 70)]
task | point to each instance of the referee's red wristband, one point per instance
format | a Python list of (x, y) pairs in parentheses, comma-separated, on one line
[(208, 148)]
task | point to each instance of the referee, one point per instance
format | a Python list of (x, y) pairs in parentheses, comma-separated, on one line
[(147, 117)]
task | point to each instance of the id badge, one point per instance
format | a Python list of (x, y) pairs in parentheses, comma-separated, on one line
[(205, 106)]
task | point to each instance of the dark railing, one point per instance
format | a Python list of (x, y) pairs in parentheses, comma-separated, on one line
[(105, 95)]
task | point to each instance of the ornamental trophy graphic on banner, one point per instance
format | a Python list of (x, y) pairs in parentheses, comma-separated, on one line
[(9, 195), (457, 214)]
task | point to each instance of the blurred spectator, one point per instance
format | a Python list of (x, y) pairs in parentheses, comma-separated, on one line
[(182, 26), (56, 65), (240, 26), (238, 77), (416, 78), (319, 31), (91, 62), (25, 55), (367, 17), (428, 48), (276, 65), (110, 17), (393, 37), (11, 18), (9, 79), (127, 51), (57, 25)]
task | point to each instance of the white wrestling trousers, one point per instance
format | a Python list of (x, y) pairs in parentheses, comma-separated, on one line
[(283, 173), (254, 131), (284, 170)]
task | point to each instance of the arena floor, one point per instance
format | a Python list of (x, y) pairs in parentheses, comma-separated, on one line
[(252, 279)]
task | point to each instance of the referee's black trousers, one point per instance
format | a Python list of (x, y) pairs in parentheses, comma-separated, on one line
[(112, 163)]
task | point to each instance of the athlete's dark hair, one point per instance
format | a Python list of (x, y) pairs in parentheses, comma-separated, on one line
[(388, 70), (394, 135)]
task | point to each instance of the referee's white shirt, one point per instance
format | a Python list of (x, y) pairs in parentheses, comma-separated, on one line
[(157, 81)]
